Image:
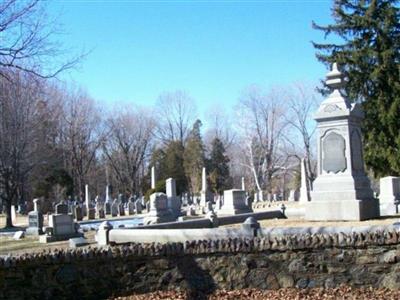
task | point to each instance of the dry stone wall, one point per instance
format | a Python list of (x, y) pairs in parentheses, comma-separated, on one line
[(363, 259)]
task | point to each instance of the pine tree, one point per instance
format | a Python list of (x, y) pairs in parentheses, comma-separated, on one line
[(369, 54), (174, 165), (219, 169), (194, 157)]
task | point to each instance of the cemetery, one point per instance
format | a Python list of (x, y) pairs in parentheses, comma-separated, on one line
[(195, 245), (288, 195)]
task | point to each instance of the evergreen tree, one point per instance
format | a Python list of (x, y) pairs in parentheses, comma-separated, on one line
[(369, 54), (174, 165), (219, 170), (194, 157)]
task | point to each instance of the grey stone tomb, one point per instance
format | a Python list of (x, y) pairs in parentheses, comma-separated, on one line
[(159, 211), (342, 190), (234, 203)]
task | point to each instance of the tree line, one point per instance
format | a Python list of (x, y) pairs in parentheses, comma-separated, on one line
[(55, 138)]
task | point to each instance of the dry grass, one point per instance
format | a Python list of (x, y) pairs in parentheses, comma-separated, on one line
[(31, 244)]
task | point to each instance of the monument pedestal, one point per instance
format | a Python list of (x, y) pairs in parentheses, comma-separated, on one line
[(342, 210)]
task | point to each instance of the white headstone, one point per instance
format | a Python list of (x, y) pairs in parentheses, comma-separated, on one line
[(153, 177), (170, 187), (342, 190), (108, 195), (87, 197), (243, 185), (389, 194)]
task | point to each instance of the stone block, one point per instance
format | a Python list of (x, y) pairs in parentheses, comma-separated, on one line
[(78, 242)]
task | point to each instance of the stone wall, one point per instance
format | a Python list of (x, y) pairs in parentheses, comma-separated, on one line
[(202, 266)]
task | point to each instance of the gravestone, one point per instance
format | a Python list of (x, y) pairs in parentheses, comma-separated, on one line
[(107, 208), (131, 206), (61, 227), (159, 211), (138, 206), (91, 214), (342, 189), (61, 208), (101, 214), (121, 209), (234, 203), (114, 208), (35, 223), (78, 213), (389, 195)]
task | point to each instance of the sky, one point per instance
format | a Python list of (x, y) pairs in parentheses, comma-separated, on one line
[(212, 50)]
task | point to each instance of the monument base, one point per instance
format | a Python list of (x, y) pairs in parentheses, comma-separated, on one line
[(342, 210), (158, 219), (234, 211)]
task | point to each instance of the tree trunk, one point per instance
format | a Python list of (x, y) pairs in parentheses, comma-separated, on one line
[(9, 223)]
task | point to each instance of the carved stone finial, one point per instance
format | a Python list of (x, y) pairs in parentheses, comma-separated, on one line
[(335, 79)]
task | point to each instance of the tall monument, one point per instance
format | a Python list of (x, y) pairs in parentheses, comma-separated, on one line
[(342, 190)]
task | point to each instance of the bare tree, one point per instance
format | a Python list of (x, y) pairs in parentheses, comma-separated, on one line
[(20, 117), (26, 40), (128, 145), (262, 125), (219, 126), (302, 103), (176, 113), (82, 134)]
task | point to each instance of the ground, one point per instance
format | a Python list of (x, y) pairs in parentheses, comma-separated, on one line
[(342, 292)]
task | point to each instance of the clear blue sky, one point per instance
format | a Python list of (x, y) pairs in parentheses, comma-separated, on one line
[(211, 49)]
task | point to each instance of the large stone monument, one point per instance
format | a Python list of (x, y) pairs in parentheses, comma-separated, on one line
[(342, 190), (389, 195), (234, 203)]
